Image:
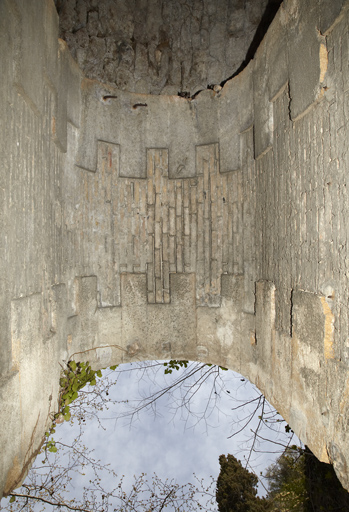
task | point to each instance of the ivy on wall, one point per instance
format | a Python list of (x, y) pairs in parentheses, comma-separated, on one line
[(74, 377)]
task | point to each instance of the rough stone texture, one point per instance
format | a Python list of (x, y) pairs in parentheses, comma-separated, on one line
[(151, 227), (160, 46)]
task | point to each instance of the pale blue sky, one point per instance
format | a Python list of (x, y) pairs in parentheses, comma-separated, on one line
[(172, 443)]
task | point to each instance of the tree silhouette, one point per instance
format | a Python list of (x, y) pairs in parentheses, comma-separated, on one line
[(236, 488), (298, 481)]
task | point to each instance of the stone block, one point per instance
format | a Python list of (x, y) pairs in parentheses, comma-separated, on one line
[(312, 324), (205, 114), (235, 114), (30, 54), (305, 65), (265, 321)]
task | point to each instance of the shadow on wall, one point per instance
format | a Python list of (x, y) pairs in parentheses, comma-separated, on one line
[(268, 16)]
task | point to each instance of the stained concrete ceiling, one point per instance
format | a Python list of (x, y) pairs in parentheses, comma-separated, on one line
[(164, 46)]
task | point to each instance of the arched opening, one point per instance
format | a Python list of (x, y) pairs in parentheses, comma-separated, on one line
[(171, 227), (83, 464), (207, 406)]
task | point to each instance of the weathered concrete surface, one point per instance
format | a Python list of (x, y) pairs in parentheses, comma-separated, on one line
[(142, 227), (162, 46)]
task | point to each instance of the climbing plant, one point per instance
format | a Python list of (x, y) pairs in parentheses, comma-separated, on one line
[(74, 377), (176, 364)]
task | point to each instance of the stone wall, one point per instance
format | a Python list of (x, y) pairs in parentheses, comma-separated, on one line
[(35, 109), (211, 228), (161, 47)]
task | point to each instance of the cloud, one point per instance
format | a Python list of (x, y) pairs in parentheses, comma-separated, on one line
[(172, 443)]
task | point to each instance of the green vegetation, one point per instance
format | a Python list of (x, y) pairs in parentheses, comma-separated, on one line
[(287, 482), (74, 378), (298, 482), (301, 483), (176, 364), (237, 488)]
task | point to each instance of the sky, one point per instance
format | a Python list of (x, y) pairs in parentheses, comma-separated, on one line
[(171, 440)]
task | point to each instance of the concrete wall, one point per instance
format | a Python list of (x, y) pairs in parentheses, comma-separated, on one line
[(141, 227)]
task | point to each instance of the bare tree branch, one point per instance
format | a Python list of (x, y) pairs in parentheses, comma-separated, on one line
[(55, 504), (49, 483)]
